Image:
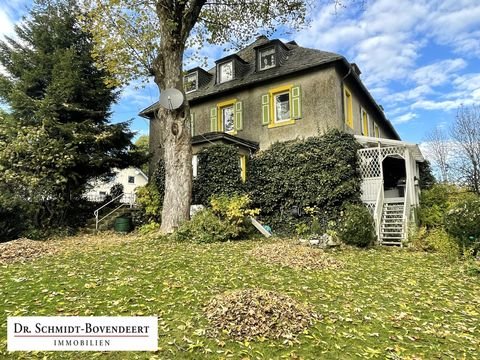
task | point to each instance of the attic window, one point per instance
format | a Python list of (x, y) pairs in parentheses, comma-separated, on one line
[(190, 82), (225, 72), (266, 58)]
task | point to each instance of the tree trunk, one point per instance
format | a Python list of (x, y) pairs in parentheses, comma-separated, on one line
[(175, 139)]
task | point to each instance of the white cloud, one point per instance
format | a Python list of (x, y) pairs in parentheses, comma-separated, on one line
[(438, 73), (405, 118)]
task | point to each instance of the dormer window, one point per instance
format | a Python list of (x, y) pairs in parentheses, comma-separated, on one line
[(190, 82), (225, 72), (266, 58)]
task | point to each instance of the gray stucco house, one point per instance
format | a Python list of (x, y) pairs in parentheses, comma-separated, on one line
[(273, 91)]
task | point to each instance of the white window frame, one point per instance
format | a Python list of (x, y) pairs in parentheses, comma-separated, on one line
[(195, 165), (222, 114), (260, 52), (196, 81), (275, 119), (220, 81)]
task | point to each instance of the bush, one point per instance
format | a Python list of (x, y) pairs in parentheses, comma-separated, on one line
[(434, 203), (218, 173), (13, 217), (462, 222), (317, 172), (150, 198), (356, 226), (225, 220)]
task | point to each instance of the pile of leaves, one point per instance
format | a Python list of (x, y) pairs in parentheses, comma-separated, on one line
[(293, 255), (25, 250), (251, 313)]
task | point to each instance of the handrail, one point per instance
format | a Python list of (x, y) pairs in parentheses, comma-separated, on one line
[(379, 211), (406, 209), (97, 211)]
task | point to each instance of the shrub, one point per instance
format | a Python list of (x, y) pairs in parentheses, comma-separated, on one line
[(440, 241), (218, 173), (317, 172), (434, 203), (12, 217), (356, 226), (225, 220), (462, 222), (116, 190)]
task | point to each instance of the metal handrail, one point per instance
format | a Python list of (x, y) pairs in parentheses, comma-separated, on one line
[(96, 212), (406, 208), (379, 211)]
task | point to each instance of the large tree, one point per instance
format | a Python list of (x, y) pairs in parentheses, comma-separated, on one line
[(150, 37), (57, 136)]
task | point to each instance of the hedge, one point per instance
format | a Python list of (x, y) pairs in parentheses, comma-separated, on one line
[(218, 173), (317, 172)]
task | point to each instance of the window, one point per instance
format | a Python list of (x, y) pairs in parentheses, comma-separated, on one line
[(103, 193), (195, 165), (281, 106), (131, 179), (376, 130), (227, 118), (266, 58), (243, 167), (225, 72), (364, 122), (348, 107), (190, 82)]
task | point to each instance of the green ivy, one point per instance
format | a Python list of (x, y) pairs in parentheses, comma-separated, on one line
[(317, 172), (218, 173)]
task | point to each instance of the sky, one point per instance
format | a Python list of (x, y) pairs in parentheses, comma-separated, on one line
[(420, 59)]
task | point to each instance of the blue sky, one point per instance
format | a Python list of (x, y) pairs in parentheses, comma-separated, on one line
[(420, 59)]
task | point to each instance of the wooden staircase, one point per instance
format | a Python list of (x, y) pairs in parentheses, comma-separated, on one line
[(392, 230)]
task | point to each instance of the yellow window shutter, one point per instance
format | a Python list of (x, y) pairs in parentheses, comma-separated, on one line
[(238, 115), (192, 123), (265, 109), (296, 102), (243, 167), (213, 119)]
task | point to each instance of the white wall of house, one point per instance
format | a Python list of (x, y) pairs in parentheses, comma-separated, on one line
[(130, 178)]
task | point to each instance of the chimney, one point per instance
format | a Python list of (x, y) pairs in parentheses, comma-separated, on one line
[(356, 69)]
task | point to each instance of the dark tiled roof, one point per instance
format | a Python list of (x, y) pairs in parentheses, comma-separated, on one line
[(216, 136), (298, 59)]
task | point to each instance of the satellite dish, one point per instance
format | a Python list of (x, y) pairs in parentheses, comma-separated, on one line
[(171, 99)]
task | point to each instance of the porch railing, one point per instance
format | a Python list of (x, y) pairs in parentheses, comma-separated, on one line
[(378, 212), (406, 210)]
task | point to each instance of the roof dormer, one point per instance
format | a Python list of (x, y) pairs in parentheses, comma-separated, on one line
[(195, 79), (270, 55), (229, 68)]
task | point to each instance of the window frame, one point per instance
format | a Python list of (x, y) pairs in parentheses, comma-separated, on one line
[(259, 58), (273, 111), (243, 167), (219, 71), (131, 177), (194, 73), (348, 107), (365, 125), (376, 130), (220, 122)]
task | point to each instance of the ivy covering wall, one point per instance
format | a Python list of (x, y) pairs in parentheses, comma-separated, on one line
[(218, 173), (319, 172)]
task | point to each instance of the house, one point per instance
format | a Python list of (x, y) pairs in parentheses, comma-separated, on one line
[(274, 91), (130, 178)]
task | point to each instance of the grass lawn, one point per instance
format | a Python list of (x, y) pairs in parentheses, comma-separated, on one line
[(383, 303)]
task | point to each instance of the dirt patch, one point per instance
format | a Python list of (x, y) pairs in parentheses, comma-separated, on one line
[(24, 250), (251, 313), (294, 255)]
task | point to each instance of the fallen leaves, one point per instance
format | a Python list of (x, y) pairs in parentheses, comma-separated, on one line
[(287, 253), (25, 250), (252, 313)]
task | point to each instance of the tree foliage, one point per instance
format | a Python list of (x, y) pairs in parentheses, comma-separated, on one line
[(149, 38), (57, 136)]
